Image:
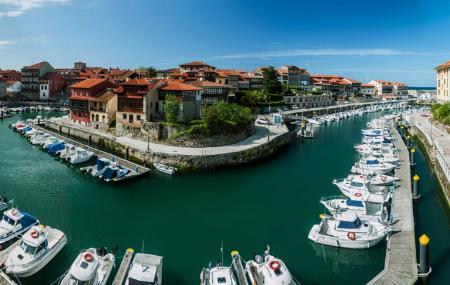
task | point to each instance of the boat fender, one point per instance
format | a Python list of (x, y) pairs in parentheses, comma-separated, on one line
[(351, 235), (34, 234), (88, 257), (274, 265)]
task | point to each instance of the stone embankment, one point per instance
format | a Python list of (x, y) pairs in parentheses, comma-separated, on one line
[(264, 142)]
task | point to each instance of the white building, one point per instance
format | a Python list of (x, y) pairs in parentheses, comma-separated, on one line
[(14, 87), (368, 90)]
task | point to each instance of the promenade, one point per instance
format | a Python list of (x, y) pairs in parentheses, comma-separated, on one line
[(400, 266)]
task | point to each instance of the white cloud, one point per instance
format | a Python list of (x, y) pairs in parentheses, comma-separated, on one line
[(15, 8), (4, 43), (321, 52)]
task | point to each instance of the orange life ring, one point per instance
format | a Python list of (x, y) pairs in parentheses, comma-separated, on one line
[(274, 265), (88, 257), (358, 194), (351, 235), (14, 212), (34, 234)]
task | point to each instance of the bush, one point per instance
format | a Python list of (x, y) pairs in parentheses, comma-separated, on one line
[(172, 108)]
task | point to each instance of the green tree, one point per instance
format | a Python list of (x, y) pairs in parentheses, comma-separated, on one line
[(147, 71), (253, 99), (271, 85), (172, 108)]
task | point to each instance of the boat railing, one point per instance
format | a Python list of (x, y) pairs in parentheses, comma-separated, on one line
[(329, 198)]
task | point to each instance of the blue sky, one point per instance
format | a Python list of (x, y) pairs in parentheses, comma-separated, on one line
[(377, 39)]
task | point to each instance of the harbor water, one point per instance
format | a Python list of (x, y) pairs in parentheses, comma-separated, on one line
[(185, 218)]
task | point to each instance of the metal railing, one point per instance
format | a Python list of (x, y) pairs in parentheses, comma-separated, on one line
[(441, 159)]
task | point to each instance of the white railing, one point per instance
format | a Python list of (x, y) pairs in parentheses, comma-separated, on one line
[(441, 159)]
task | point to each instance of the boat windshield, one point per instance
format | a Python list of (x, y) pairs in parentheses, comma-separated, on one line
[(9, 220), (28, 248), (350, 225), (356, 184), (132, 281)]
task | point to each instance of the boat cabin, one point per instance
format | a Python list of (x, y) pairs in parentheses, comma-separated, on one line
[(348, 221), (146, 269), (34, 241), (84, 268)]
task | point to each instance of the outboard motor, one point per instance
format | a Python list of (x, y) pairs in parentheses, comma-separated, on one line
[(101, 251), (259, 259), (114, 249)]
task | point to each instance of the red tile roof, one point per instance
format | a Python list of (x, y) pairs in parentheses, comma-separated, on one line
[(36, 65), (366, 85), (195, 63), (88, 83), (443, 65), (206, 83), (178, 86), (136, 82)]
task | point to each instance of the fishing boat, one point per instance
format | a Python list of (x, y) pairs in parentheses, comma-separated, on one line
[(364, 209), (81, 155), (217, 275), (14, 223), (3, 203), (371, 165), (38, 246), (268, 269), (145, 269), (68, 150), (347, 230), (165, 168), (92, 266), (114, 172), (98, 169)]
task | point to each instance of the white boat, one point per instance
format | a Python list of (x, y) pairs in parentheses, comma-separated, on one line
[(98, 169), (165, 168), (91, 267), (314, 121), (347, 230), (217, 275), (81, 155), (49, 141), (383, 180), (14, 223), (38, 246), (68, 150), (39, 139), (364, 209), (145, 269), (4, 204), (357, 183), (371, 166), (269, 270)]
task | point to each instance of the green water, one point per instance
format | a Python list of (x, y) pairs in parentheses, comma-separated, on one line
[(185, 218)]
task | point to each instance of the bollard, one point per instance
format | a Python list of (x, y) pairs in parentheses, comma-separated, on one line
[(90, 140), (416, 194), (402, 131), (60, 129), (408, 141), (127, 153), (424, 267), (412, 157)]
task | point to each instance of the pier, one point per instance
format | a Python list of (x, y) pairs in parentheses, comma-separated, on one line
[(400, 264), (123, 268), (139, 170)]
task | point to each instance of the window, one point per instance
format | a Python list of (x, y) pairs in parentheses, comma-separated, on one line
[(130, 118), (124, 116), (138, 117)]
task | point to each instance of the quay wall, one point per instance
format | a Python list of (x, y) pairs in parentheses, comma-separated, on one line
[(431, 153), (181, 161)]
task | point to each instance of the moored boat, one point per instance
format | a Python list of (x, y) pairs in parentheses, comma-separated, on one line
[(14, 223), (165, 168), (145, 269), (81, 155)]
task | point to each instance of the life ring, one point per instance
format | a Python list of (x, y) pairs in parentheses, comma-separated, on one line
[(14, 212), (34, 234), (351, 235), (358, 194), (274, 265), (88, 257)]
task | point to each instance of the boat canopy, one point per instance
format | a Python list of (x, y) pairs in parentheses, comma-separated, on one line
[(350, 225), (57, 146), (372, 161), (354, 203), (102, 163)]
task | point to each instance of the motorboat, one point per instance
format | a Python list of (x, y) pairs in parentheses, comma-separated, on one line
[(55, 147), (217, 275), (92, 266), (383, 180), (364, 209), (165, 168), (39, 139), (38, 246), (145, 269), (114, 172), (81, 155), (347, 230), (14, 223), (372, 165), (49, 141), (315, 121), (268, 269), (98, 169), (306, 133), (69, 150), (4, 203), (357, 183)]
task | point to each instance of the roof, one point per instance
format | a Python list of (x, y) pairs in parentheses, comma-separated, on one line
[(206, 83), (36, 65), (367, 85), (88, 83), (443, 65), (178, 86), (105, 97), (50, 75), (195, 63), (136, 82)]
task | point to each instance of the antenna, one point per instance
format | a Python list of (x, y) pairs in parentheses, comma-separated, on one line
[(221, 250)]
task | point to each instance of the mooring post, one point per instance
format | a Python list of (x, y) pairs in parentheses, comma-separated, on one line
[(408, 141), (412, 157), (90, 140), (416, 194), (127, 152), (60, 129), (424, 266)]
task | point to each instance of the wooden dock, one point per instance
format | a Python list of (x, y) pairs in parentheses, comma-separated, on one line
[(138, 169), (123, 269), (400, 266)]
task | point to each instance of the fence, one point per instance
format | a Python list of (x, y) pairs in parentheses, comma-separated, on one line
[(441, 159)]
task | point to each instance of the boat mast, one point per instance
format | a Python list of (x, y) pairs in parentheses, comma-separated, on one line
[(221, 250)]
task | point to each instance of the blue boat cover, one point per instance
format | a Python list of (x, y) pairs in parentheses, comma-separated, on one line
[(385, 140), (27, 220), (354, 203), (350, 225), (54, 147), (109, 173), (27, 129), (375, 161), (101, 164)]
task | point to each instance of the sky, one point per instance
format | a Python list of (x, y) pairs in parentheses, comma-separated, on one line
[(361, 39)]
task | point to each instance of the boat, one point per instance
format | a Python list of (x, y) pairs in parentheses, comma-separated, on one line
[(165, 168), (268, 269), (81, 155), (68, 150), (314, 121), (145, 269), (92, 266), (55, 147), (364, 209), (372, 165), (4, 203), (50, 141), (98, 169), (39, 139), (38, 246), (383, 180), (14, 223), (306, 133), (347, 230), (217, 275), (357, 183)]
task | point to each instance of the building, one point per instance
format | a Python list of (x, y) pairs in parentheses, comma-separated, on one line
[(13, 87), (336, 85), (31, 76), (189, 96), (117, 76), (51, 86), (10, 75), (368, 90), (308, 101), (102, 110), (387, 90), (195, 66), (166, 73), (293, 76), (442, 81), (212, 91), (80, 96)]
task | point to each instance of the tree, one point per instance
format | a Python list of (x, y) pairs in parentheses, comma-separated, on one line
[(253, 99), (148, 71), (172, 108), (271, 85)]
